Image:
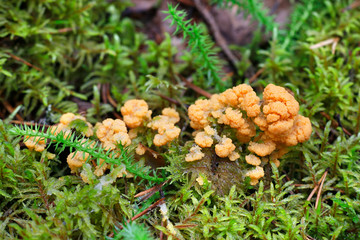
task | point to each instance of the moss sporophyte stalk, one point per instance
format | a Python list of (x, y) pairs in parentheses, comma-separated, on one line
[(234, 126)]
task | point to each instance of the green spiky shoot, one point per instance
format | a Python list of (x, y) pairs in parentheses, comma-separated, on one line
[(88, 146)]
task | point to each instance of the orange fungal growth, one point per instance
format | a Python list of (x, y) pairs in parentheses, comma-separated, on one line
[(135, 112), (133, 133), (247, 99), (229, 98), (76, 160), (35, 143), (140, 149), (198, 114), (165, 125), (268, 127), (65, 121), (300, 131), (276, 162), (194, 154), (233, 118), (203, 139), (67, 118), (262, 149), (101, 168), (255, 175), (172, 114), (280, 109), (245, 132), (234, 156), (200, 180), (210, 131), (253, 160), (225, 147), (230, 124), (111, 132)]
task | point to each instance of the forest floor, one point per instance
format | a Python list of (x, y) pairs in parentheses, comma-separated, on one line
[(133, 178)]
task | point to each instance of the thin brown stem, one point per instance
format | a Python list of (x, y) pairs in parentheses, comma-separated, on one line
[(24, 61), (256, 75), (195, 88), (220, 40), (321, 186), (151, 207), (10, 109), (316, 186)]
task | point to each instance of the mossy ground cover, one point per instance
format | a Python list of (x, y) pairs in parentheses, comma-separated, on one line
[(89, 57)]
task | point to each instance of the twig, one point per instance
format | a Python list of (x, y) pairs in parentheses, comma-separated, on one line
[(256, 75), (94, 163), (333, 46), (246, 201), (308, 237), (155, 154), (161, 233), (119, 226), (312, 193), (151, 191), (86, 7), (333, 41), (107, 97), (29, 123), (201, 202), (169, 99), (195, 88), (323, 43), (298, 184), (104, 88), (216, 32), (62, 30), (111, 100), (10, 109), (44, 196), (316, 186), (321, 186), (151, 207), (23, 61), (335, 123), (184, 226), (337, 117), (346, 131)]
